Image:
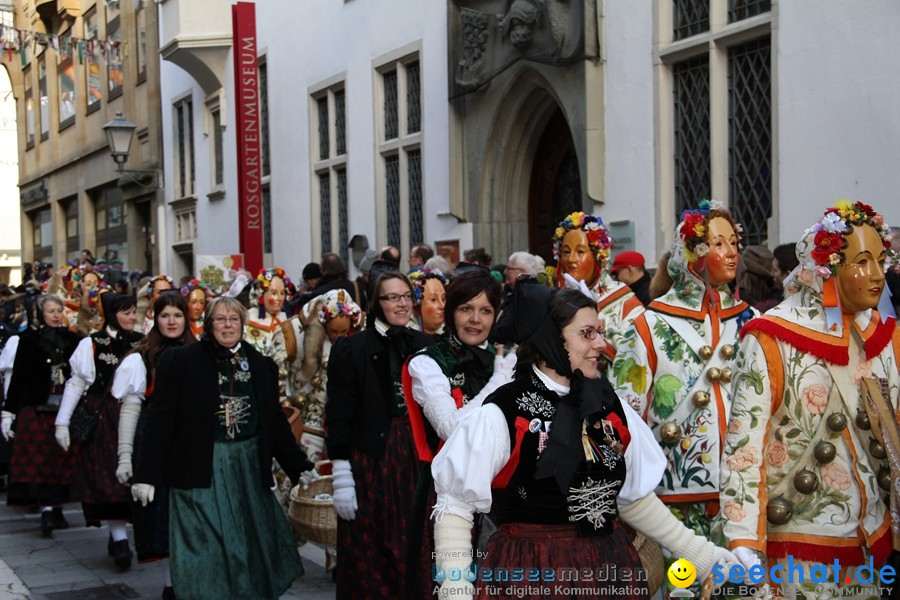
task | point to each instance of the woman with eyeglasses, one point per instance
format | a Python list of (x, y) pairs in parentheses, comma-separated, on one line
[(212, 430), (443, 383), (370, 443), (561, 462), (133, 385)]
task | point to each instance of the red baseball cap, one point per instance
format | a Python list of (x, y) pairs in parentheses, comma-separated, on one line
[(629, 258)]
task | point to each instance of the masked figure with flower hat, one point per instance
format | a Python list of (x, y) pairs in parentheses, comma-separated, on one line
[(90, 311), (811, 456), (674, 367), (327, 318), (146, 298), (581, 246), (197, 294), (269, 330), (429, 298), (70, 293)]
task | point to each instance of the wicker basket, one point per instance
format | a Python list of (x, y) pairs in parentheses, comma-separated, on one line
[(652, 559), (314, 519)]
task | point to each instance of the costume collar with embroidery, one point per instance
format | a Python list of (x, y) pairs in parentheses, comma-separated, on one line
[(558, 388)]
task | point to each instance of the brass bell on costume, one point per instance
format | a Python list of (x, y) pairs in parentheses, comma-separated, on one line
[(670, 432), (714, 374), (727, 351), (876, 449), (836, 422), (824, 452), (884, 478), (316, 382), (726, 374), (862, 420), (701, 399), (705, 352), (779, 510), (805, 481)]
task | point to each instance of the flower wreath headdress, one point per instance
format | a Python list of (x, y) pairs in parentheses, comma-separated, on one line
[(418, 278), (695, 228), (196, 284), (264, 280), (161, 277), (341, 306), (827, 239), (597, 234)]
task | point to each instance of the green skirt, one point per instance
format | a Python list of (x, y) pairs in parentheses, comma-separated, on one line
[(231, 540)]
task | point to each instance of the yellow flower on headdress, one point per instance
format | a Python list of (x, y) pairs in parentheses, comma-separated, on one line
[(576, 218), (560, 232), (700, 230)]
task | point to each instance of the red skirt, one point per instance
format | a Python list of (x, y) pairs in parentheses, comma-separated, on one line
[(39, 470), (95, 483), (552, 562), (372, 547)]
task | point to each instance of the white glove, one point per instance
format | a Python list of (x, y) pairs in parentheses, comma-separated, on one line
[(653, 519), (748, 556), (143, 493), (6, 421), (62, 437), (577, 284), (344, 489), (453, 555), (504, 365), (307, 477), (128, 418)]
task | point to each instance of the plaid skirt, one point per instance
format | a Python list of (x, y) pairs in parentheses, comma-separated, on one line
[(39, 471), (373, 547), (556, 563)]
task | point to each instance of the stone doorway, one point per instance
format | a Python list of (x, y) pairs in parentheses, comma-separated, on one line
[(555, 189)]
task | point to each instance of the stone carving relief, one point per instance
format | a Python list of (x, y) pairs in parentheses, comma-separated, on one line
[(488, 36)]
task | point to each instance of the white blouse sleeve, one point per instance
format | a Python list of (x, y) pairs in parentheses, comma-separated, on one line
[(431, 390), (644, 459), (7, 360), (467, 464), (82, 362), (130, 382)]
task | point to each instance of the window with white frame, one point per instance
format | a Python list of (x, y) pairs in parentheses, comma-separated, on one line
[(183, 112), (399, 135), (214, 132), (716, 107), (329, 167)]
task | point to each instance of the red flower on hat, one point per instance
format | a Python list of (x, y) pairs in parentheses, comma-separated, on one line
[(826, 245), (865, 208)]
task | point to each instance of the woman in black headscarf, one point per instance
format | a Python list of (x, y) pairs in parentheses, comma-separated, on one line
[(559, 460), (39, 470), (369, 441), (133, 385), (92, 367)]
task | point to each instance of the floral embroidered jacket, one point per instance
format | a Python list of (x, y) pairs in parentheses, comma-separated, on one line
[(674, 368), (618, 307), (797, 433), (267, 337)]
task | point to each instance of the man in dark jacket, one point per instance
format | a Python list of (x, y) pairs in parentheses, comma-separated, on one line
[(628, 267)]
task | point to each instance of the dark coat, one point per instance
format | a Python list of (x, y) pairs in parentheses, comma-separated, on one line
[(177, 446), (38, 350), (357, 412), (641, 288)]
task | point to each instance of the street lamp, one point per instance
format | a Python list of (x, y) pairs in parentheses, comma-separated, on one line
[(119, 133)]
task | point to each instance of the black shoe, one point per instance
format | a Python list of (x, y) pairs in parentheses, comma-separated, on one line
[(59, 521), (110, 546), (168, 593), (122, 554), (46, 523)]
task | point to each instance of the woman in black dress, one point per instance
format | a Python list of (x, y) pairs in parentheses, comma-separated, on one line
[(369, 440), (92, 367), (40, 471)]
